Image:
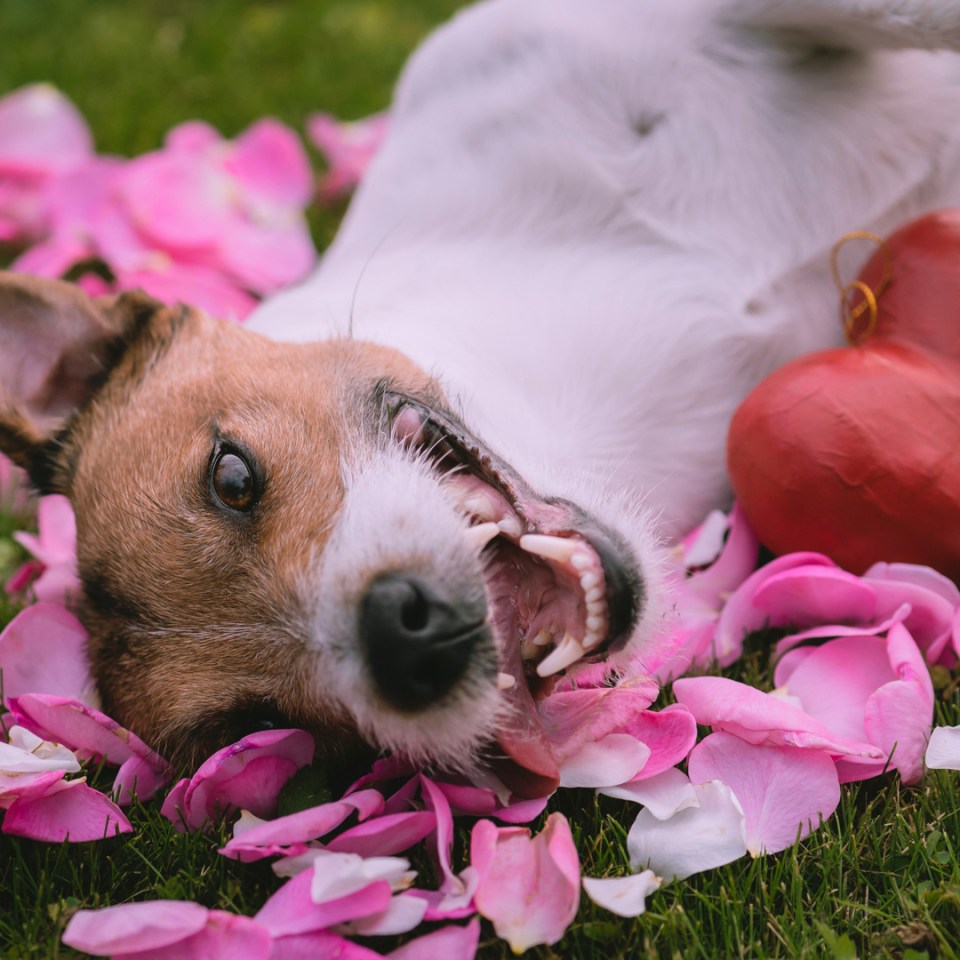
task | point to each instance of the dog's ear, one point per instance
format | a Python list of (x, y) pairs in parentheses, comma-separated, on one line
[(57, 347), (853, 24)]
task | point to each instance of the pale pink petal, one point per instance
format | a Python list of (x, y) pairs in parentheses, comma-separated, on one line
[(442, 842), (89, 732), (453, 905), (899, 714), (334, 875), (878, 627), (521, 811), (529, 889), (663, 795), (199, 286), (930, 619), (918, 575), (785, 792), (130, 927), (194, 137), (815, 594), (27, 753), (349, 148), (291, 910), (624, 896), (452, 942), (43, 650), (943, 750), (70, 811), (762, 718), (572, 718), (54, 256), (268, 161), (320, 945), (404, 913), (385, 770), (695, 838), (178, 201), (282, 835), (265, 257), (741, 615), (736, 561), (614, 758), (41, 132), (249, 773), (225, 937), (669, 733), (385, 835), (833, 682), (139, 777), (466, 799), (702, 545)]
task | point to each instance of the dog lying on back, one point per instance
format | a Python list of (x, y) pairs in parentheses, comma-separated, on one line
[(441, 484)]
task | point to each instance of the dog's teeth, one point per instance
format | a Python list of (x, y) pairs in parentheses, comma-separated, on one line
[(480, 535), (595, 623), (594, 595), (581, 560), (588, 581), (568, 652), (480, 507), (560, 549), (505, 681), (543, 638), (591, 639), (511, 526)]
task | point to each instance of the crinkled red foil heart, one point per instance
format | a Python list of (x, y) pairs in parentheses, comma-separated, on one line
[(855, 452)]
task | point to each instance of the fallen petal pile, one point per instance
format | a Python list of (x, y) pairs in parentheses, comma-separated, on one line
[(221, 223)]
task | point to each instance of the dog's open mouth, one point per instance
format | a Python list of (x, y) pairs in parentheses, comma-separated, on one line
[(561, 589)]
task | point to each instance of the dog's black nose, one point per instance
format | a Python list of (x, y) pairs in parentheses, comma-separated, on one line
[(417, 641)]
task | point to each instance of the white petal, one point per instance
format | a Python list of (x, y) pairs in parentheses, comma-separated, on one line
[(663, 795), (694, 839), (403, 914), (624, 896), (943, 750), (613, 759), (27, 753), (337, 874)]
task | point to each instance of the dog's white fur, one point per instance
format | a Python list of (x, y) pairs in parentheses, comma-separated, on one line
[(600, 225)]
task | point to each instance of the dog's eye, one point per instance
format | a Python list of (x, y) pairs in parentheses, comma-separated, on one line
[(233, 482)]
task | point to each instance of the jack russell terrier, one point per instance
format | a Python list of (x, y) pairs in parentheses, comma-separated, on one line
[(441, 483)]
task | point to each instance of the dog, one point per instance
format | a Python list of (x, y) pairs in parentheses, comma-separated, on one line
[(421, 489)]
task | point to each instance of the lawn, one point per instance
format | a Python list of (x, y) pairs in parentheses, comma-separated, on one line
[(880, 879)]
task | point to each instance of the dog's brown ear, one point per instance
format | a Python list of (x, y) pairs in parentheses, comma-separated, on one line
[(57, 347)]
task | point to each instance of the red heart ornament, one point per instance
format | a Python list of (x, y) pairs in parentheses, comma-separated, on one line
[(855, 452)]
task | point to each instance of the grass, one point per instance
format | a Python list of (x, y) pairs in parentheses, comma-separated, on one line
[(882, 876)]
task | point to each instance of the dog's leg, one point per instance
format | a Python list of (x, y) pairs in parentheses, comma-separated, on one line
[(856, 24)]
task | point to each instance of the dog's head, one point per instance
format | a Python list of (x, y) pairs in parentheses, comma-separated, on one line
[(305, 535)]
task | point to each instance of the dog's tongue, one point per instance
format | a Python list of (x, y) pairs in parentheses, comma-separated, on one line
[(530, 768)]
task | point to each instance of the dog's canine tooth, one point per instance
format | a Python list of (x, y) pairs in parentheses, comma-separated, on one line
[(543, 638), (505, 681), (561, 549), (568, 652), (511, 526), (481, 534)]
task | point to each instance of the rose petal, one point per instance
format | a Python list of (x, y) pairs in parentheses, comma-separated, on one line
[(404, 913), (943, 750), (663, 795), (783, 791), (449, 943), (130, 927), (319, 945), (385, 835), (529, 888), (615, 758), (694, 839), (624, 896), (69, 811)]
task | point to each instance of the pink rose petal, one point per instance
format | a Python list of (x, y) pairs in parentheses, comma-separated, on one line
[(384, 836), (249, 773), (452, 942), (320, 945), (43, 650), (785, 792), (529, 888), (624, 896), (291, 833), (943, 750), (129, 927), (695, 838), (291, 909), (69, 811)]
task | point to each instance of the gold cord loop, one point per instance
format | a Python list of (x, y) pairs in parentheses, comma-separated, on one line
[(855, 331)]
